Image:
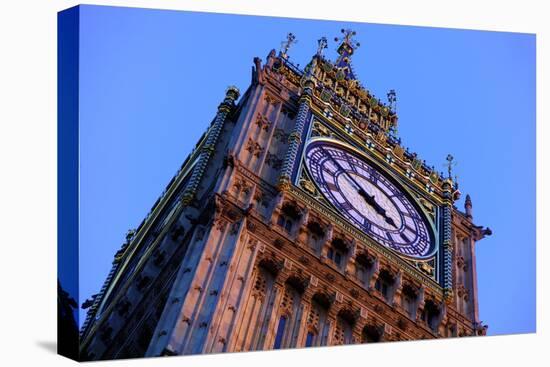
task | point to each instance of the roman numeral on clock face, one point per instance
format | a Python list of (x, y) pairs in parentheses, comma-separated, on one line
[(346, 206), (352, 164), (412, 229), (374, 177), (327, 170), (366, 224), (331, 186)]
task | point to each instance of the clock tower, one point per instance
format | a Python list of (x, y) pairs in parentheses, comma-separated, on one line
[(299, 220)]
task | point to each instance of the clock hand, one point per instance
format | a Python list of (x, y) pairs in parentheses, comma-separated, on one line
[(369, 199), (354, 183)]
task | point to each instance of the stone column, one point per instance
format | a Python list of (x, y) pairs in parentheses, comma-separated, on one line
[(442, 320), (350, 270), (357, 330), (420, 303), (397, 289), (446, 241), (267, 141), (375, 272), (473, 277), (208, 148), (302, 231), (331, 321), (270, 321), (295, 137), (299, 338)]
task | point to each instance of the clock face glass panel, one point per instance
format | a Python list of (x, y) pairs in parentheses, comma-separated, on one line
[(368, 199)]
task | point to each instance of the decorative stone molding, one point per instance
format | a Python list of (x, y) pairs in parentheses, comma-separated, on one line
[(254, 148), (220, 224), (460, 263), (263, 122), (397, 289), (375, 273), (462, 292)]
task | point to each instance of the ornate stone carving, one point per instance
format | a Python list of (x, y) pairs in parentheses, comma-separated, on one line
[(320, 130), (262, 122), (254, 148), (220, 224)]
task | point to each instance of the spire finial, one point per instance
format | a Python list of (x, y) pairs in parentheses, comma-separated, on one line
[(345, 50), (392, 99), (285, 45), (450, 164), (348, 34), (322, 44), (348, 44)]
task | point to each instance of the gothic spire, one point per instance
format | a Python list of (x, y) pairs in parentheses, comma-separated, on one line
[(468, 206), (345, 50)]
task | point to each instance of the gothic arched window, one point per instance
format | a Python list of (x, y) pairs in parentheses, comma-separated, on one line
[(280, 332), (315, 235), (384, 284), (317, 324), (343, 333), (337, 251), (288, 217), (430, 315), (290, 310), (258, 308), (309, 338), (408, 300), (363, 268), (371, 334)]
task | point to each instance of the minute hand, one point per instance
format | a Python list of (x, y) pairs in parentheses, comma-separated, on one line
[(350, 179)]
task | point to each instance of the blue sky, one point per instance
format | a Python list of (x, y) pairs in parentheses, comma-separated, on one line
[(151, 80)]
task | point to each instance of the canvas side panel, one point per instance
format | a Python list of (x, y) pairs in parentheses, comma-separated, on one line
[(67, 162)]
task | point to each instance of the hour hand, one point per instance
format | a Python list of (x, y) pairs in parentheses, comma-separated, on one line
[(373, 203)]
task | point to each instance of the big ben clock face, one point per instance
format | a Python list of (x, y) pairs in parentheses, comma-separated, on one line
[(368, 199)]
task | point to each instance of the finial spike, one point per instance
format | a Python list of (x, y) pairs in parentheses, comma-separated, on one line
[(392, 99), (450, 164), (322, 45), (347, 39), (285, 45)]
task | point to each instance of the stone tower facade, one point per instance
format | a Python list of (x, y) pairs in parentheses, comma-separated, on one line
[(246, 251)]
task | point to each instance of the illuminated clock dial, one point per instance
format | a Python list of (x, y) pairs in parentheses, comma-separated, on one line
[(368, 199)]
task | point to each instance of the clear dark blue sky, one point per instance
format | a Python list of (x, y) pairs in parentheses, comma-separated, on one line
[(151, 81)]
